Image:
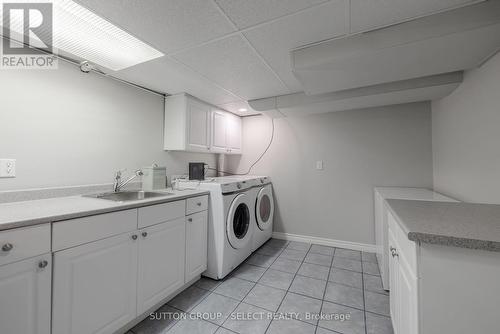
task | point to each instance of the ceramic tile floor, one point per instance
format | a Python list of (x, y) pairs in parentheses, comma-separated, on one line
[(283, 279)]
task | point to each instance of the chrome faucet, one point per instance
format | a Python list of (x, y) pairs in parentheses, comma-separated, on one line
[(119, 184)]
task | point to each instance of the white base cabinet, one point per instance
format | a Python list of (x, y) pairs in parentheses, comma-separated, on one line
[(196, 244), (161, 263), (95, 286), (25, 296)]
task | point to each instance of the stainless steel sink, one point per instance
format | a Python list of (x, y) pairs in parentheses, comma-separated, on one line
[(124, 196)]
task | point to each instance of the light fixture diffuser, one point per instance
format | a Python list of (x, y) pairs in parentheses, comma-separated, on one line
[(79, 32)]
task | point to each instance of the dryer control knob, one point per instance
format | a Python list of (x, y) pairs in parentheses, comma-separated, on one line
[(261, 180), (238, 185)]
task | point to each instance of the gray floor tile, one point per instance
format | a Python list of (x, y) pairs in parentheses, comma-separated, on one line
[(353, 320), (345, 295), (193, 326), (343, 263), (285, 265), (377, 303), (308, 286), (374, 284), (292, 254), (222, 330), (370, 268), (314, 271), (164, 318), (369, 257), (260, 260), (323, 250), (377, 324), (257, 323), (249, 272), (302, 246), (269, 251), (235, 288), (348, 254), (290, 326), (320, 330), (189, 298), (277, 243), (305, 307), (265, 297), (207, 283), (277, 279), (346, 277), (217, 306), (324, 260)]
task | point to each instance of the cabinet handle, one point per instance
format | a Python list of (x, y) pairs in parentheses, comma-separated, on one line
[(134, 237), (190, 219), (394, 252), (199, 203), (144, 234), (7, 247), (42, 264)]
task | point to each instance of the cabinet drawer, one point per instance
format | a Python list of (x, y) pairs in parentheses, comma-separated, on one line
[(196, 204), (22, 243), (74, 232), (160, 213)]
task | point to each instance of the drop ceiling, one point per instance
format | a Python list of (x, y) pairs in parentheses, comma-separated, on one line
[(227, 52)]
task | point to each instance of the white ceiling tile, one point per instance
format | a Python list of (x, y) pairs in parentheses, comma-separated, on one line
[(241, 108), (232, 64), (169, 25), (376, 13), (169, 76), (275, 40), (245, 13)]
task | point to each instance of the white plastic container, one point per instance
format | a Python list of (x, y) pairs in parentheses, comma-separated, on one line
[(154, 177)]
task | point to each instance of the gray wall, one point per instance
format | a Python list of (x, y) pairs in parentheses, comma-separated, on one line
[(466, 137), (361, 149), (69, 128)]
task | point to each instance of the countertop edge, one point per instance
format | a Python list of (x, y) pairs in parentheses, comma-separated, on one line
[(444, 240), (81, 214)]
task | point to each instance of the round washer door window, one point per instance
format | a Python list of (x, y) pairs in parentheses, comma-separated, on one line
[(238, 222), (264, 208)]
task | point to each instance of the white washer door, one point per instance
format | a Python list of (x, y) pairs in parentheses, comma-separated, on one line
[(264, 208), (238, 222)]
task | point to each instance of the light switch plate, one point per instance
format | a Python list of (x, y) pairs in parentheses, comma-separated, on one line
[(319, 165), (7, 168)]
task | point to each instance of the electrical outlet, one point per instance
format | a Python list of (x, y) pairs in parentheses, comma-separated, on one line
[(319, 165), (7, 168)]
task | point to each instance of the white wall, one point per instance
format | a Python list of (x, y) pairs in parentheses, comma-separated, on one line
[(466, 137), (65, 128), (361, 149)]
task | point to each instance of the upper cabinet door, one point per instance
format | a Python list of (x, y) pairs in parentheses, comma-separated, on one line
[(219, 131), (25, 294), (198, 118), (234, 134)]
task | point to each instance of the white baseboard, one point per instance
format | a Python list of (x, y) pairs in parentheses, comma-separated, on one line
[(326, 242)]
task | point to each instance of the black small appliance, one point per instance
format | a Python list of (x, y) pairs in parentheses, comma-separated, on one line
[(197, 171)]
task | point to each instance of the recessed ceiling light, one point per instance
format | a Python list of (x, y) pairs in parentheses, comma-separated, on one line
[(81, 33), (242, 109)]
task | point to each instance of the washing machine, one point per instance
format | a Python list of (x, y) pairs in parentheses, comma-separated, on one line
[(231, 222), (263, 212)]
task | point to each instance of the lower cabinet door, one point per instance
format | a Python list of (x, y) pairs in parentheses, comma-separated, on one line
[(25, 296), (95, 286), (161, 262), (196, 244), (408, 301)]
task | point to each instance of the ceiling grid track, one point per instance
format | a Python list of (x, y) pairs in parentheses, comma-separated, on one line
[(266, 64)]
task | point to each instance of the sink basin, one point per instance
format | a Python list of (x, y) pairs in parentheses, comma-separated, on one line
[(124, 196)]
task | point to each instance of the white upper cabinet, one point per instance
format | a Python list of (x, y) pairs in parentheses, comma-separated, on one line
[(195, 126)]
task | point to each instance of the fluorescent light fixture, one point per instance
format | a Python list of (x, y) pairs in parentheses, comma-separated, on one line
[(81, 33), (242, 109)]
